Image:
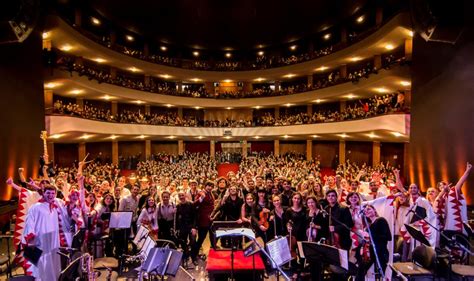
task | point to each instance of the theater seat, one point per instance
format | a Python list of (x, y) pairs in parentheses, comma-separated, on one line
[(463, 272), (423, 261), (106, 262)]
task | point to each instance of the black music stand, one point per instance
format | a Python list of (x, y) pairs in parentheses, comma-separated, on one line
[(162, 262), (417, 235), (324, 254), (220, 225), (122, 221)]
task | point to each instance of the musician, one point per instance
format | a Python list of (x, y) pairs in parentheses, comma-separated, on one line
[(277, 226), (262, 210), (381, 235), (205, 205), (149, 217), (340, 222), (287, 193), (166, 217), (221, 188), (295, 220), (317, 221), (186, 225), (354, 204), (249, 214), (193, 193), (106, 207)]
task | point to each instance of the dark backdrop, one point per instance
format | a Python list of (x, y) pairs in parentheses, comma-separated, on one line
[(442, 124), (22, 109)]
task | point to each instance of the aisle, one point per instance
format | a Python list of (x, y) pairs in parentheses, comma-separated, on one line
[(223, 169)]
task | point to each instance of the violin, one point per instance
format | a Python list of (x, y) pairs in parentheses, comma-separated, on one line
[(263, 219), (291, 240), (312, 232), (333, 236)]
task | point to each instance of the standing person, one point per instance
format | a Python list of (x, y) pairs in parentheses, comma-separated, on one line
[(381, 235), (205, 206), (128, 204), (166, 212), (340, 222), (277, 226), (148, 217), (230, 210), (186, 225), (286, 194), (295, 221), (43, 230)]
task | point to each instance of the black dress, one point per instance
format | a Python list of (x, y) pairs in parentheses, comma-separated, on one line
[(322, 221)]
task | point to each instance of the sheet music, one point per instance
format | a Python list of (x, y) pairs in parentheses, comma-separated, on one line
[(141, 236), (343, 259), (247, 232), (120, 219), (279, 250)]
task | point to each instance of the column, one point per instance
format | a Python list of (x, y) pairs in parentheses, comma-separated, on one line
[(147, 80), (115, 156), (407, 98), (147, 149), (81, 151), (375, 153), (77, 17), (309, 109), (276, 147), (378, 61), (342, 151), (310, 81), (79, 61), (244, 148), (247, 87), (180, 86), (180, 147), (309, 149), (408, 48), (277, 112), (80, 102), (147, 109), (343, 71), (48, 101), (277, 86), (47, 44), (213, 149), (180, 112), (50, 148), (113, 72), (114, 108), (342, 105), (379, 16), (210, 88)]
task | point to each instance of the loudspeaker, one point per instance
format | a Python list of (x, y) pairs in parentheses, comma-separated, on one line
[(18, 20), (438, 21)]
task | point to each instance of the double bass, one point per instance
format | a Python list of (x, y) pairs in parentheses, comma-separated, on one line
[(333, 236)]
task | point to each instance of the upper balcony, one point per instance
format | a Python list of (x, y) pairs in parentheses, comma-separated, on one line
[(393, 34)]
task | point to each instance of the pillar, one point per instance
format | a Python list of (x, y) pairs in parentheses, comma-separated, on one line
[(309, 109), (378, 61), (180, 86), (147, 109), (379, 16), (114, 108), (79, 61), (277, 112), (47, 44), (343, 71), (310, 81), (48, 101), (81, 151), (50, 148), (147, 149), (210, 88), (180, 147), (375, 153), (147, 80), (77, 17), (80, 102), (309, 149), (277, 86), (113, 72), (342, 151), (407, 98), (115, 155), (213, 149), (342, 105), (408, 48), (180, 112), (247, 87), (244, 148), (276, 147)]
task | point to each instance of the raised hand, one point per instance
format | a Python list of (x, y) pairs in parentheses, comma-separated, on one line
[(9, 181)]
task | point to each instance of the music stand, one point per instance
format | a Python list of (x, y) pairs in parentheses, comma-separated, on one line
[(317, 253), (223, 225), (140, 237), (417, 235), (163, 262)]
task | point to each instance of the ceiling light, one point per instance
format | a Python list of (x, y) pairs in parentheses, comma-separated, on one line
[(196, 53), (321, 68), (196, 79), (163, 48), (197, 107), (46, 35), (99, 60), (76, 92), (52, 85), (343, 135), (95, 21), (166, 76), (381, 90), (228, 108), (261, 53), (290, 75), (288, 104), (139, 102), (56, 136), (410, 33), (327, 36), (200, 137), (355, 59), (107, 97), (350, 96), (360, 19), (389, 47), (85, 136), (112, 137), (66, 48), (315, 136), (227, 137), (397, 134), (260, 79), (168, 105), (134, 69), (258, 107), (318, 100), (405, 83), (285, 136), (227, 81), (141, 137), (129, 37), (293, 47), (256, 137), (372, 136), (228, 55), (171, 137)]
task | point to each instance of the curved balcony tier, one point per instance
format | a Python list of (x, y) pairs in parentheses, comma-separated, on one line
[(390, 128), (394, 33), (385, 81)]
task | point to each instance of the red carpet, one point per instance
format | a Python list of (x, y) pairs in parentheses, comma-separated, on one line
[(223, 169), (327, 172)]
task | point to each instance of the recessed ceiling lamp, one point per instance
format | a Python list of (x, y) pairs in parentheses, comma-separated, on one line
[(318, 100), (195, 79), (227, 81), (256, 137), (85, 136), (196, 53), (327, 36), (228, 108), (46, 35), (113, 137), (293, 47), (66, 48), (257, 107), (141, 137), (139, 102), (134, 69), (107, 97), (228, 55), (321, 68), (288, 104), (259, 79), (227, 137), (197, 107), (168, 105), (261, 53), (171, 137), (389, 47), (397, 134), (76, 92), (360, 19), (372, 136), (99, 60), (200, 137), (56, 136), (290, 75), (166, 76), (315, 136), (52, 85), (381, 90), (343, 135), (355, 59), (350, 96), (286, 136), (129, 38), (405, 83), (163, 48), (95, 21)]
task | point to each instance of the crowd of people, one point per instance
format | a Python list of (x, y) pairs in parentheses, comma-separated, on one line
[(178, 197), (199, 91), (377, 105)]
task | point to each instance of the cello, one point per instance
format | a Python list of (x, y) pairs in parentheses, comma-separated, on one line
[(333, 235)]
